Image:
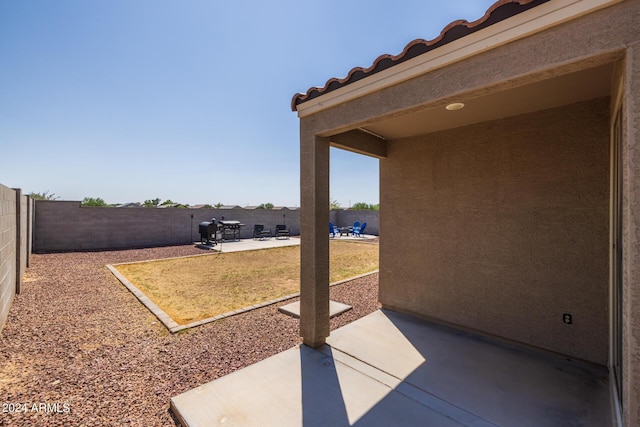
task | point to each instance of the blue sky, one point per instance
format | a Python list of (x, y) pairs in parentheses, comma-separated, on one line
[(187, 100)]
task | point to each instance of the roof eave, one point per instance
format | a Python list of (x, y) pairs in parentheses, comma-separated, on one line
[(516, 27)]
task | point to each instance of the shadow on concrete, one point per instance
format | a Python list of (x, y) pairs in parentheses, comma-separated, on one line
[(476, 380), (338, 391), (322, 400), (390, 369)]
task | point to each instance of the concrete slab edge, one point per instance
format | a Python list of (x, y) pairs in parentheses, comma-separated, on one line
[(174, 410), (333, 311), (174, 327)]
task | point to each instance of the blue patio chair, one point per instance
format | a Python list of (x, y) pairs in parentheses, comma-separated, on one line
[(361, 233), (356, 228), (332, 230)]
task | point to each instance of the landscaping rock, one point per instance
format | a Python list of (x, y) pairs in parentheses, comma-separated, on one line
[(79, 349)]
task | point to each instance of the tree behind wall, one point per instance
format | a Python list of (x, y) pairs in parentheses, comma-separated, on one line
[(361, 206), (93, 201), (44, 196), (152, 203)]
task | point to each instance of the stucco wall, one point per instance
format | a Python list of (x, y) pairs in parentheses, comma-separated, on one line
[(609, 35), (631, 239), (505, 228)]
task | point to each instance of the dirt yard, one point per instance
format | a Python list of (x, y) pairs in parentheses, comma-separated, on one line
[(79, 349)]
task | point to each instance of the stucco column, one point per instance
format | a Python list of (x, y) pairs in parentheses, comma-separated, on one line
[(631, 243), (314, 251)]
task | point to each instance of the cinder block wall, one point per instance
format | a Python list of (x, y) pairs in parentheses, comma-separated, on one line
[(67, 226), (505, 225), (14, 247), (22, 229), (29, 222), (7, 251)]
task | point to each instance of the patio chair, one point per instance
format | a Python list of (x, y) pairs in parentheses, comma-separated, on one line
[(356, 229), (282, 231), (333, 230), (362, 227), (259, 232)]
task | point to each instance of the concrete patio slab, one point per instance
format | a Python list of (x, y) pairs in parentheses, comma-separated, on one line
[(253, 244), (390, 369), (250, 244), (352, 237), (335, 308), (501, 383), (301, 387)]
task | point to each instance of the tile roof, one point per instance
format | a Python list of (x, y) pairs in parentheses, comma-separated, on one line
[(499, 11)]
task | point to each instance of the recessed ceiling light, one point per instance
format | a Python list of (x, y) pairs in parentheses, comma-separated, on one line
[(455, 106)]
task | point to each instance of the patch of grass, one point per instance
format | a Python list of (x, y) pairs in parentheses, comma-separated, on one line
[(195, 288)]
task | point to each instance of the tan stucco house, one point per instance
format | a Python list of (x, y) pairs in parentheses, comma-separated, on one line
[(516, 216)]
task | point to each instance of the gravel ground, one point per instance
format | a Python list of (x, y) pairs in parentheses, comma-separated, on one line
[(81, 343)]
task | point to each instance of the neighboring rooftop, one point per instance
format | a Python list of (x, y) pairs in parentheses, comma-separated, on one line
[(499, 11)]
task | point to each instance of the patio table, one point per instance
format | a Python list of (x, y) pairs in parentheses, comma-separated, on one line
[(345, 230)]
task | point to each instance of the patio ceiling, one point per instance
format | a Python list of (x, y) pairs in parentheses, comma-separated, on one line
[(550, 93)]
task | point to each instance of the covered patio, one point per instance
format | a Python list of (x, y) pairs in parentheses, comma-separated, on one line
[(512, 140), (389, 369)]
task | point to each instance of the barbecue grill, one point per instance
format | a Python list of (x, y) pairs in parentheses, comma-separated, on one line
[(207, 231), (230, 228)]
